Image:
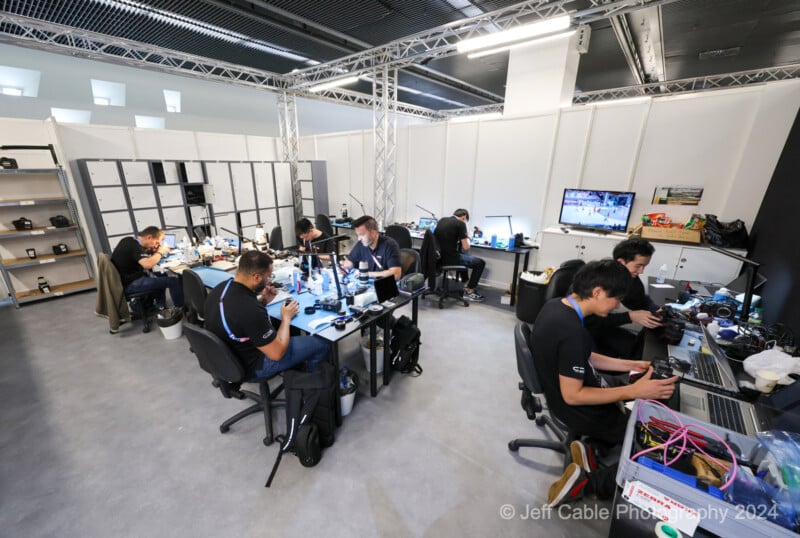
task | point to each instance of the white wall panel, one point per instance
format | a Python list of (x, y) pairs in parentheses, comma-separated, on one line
[(174, 217), (219, 179), (334, 150), (145, 218), (287, 226), (265, 184), (117, 223), (136, 173), (283, 183), (163, 144), (269, 219), (242, 175), (194, 172), (613, 146), (693, 140), (459, 182), (511, 173), (426, 166), (142, 196), (170, 195), (111, 199), (104, 173), (221, 147), (262, 148), (227, 220), (567, 160), (96, 142)]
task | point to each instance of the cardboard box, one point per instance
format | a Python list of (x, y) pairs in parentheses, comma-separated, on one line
[(679, 235)]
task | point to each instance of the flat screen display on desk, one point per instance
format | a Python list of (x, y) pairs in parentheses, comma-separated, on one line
[(386, 288), (599, 210), (169, 240), (426, 223)]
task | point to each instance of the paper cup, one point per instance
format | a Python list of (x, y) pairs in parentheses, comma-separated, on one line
[(766, 380)]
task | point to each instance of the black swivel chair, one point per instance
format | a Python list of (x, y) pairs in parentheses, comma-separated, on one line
[(432, 268), (562, 278), (409, 261), (216, 358), (194, 296), (323, 224), (399, 234), (276, 238), (530, 386)]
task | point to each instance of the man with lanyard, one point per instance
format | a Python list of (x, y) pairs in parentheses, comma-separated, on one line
[(451, 233), (381, 253), (609, 336), (575, 392), (235, 311), (314, 241), (135, 256)]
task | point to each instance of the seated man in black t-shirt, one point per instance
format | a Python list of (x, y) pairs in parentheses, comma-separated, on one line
[(609, 336), (451, 234), (575, 392), (314, 241), (135, 256), (381, 253), (235, 311)]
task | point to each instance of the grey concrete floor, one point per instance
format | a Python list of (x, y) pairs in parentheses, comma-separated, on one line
[(117, 435)]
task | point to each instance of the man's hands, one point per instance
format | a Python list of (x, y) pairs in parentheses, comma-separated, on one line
[(289, 309), (267, 295), (645, 318), (654, 389)]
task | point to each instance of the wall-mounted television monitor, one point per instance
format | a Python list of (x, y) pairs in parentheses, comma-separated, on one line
[(604, 211)]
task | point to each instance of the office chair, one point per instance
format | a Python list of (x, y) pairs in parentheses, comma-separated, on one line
[(530, 386), (276, 238), (409, 261), (562, 278), (216, 358), (323, 224), (112, 301), (432, 268), (399, 234), (194, 296)]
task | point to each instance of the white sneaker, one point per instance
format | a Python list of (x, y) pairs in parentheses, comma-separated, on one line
[(474, 297)]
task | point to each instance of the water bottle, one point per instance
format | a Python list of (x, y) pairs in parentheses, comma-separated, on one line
[(662, 274), (493, 242), (343, 380), (344, 210)]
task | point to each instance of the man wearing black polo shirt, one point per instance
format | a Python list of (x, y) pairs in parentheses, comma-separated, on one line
[(135, 256), (381, 253), (451, 233), (235, 312)]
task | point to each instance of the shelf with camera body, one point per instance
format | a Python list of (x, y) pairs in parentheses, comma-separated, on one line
[(32, 267)]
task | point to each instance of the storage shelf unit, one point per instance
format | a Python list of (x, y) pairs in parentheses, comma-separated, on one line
[(39, 193), (125, 196)]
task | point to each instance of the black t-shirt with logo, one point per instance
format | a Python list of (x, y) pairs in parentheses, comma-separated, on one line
[(561, 346), (246, 318), (126, 258), (449, 232)]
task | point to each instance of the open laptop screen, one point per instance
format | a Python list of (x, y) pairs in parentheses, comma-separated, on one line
[(426, 223), (169, 240), (386, 288)]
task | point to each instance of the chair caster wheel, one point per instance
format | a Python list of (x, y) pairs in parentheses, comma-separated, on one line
[(224, 429), (267, 441), (540, 421), (513, 446)]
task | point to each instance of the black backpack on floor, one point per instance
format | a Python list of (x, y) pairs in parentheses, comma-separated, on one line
[(311, 401), (404, 346)]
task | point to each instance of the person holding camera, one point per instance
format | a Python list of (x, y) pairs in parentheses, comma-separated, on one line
[(575, 391), (235, 312), (134, 257), (380, 254), (607, 332)]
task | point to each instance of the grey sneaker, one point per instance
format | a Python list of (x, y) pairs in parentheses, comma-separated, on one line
[(474, 297)]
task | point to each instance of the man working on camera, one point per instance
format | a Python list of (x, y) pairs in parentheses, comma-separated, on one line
[(380, 253), (451, 233), (575, 392), (235, 313), (609, 337), (135, 256)]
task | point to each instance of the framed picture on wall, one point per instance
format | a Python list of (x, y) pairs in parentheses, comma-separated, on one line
[(677, 195)]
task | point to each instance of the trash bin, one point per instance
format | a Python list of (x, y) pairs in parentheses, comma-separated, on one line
[(348, 384), (169, 321), (530, 299), (365, 347)]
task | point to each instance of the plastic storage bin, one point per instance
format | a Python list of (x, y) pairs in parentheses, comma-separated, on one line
[(530, 299), (738, 521)]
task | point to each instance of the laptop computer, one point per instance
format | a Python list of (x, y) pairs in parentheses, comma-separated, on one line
[(169, 240), (386, 289), (426, 223), (709, 369), (724, 411)]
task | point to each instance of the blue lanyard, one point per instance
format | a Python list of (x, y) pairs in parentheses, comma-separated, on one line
[(222, 316), (577, 308)]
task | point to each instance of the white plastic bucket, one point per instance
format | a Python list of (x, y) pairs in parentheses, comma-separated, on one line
[(378, 355), (346, 403), (173, 331)]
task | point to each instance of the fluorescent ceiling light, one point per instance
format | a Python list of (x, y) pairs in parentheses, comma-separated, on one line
[(8, 90), (527, 31), (332, 84), (476, 117), (489, 52)]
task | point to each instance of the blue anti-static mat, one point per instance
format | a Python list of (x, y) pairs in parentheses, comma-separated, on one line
[(211, 276)]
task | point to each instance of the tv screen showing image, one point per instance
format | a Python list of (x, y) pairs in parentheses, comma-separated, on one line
[(599, 210)]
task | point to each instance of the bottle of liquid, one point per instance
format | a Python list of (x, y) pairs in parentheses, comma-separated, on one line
[(343, 380), (344, 210), (493, 242), (662, 273)]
